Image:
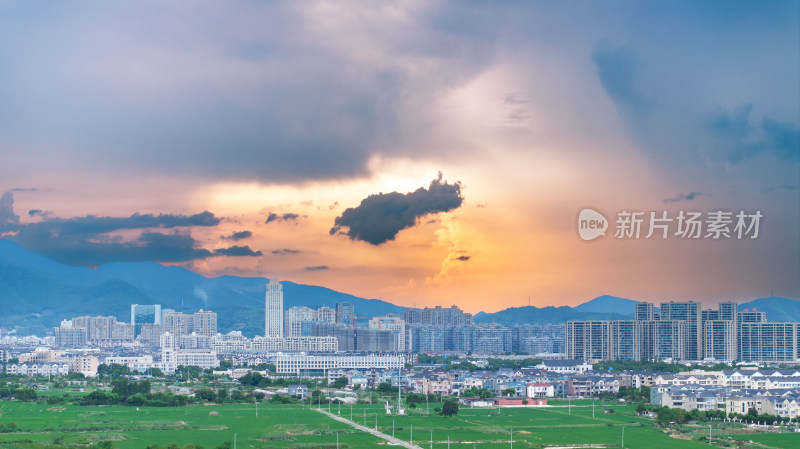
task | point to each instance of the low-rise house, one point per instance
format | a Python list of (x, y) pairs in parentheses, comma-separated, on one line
[(297, 391), (564, 366), (540, 390)]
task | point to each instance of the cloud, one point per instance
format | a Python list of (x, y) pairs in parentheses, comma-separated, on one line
[(285, 252), (684, 197), (617, 67), (463, 258), (237, 251), (9, 221), (741, 136), (789, 187), (238, 235), (92, 240), (317, 268), (213, 103), (379, 218), (285, 217)]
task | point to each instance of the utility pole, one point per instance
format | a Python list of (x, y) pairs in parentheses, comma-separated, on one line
[(623, 438), (431, 438), (392, 427), (569, 404), (412, 434), (337, 440), (234, 441), (592, 408), (376, 421), (511, 440), (256, 408)]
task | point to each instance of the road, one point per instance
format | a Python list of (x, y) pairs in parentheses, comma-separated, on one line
[(381, 435)]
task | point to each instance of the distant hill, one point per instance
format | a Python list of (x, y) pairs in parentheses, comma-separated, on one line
[(608, 304), (532, 314), (777, 309), (36, 293)]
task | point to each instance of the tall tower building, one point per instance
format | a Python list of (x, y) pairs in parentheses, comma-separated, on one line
[(273, 320), (144, 314)]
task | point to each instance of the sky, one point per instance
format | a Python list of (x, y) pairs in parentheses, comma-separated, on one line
[(421, 152)]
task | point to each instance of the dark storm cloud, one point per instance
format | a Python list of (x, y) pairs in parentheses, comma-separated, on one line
[(285, 252), (87, 240), (92, 225), (237, 251), (240, 102), (317, 268), (380, 217), (684, 197), (284, 217), (9, 221), (239, 235)]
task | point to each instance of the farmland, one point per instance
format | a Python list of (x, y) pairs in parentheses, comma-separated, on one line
[(301, 426)]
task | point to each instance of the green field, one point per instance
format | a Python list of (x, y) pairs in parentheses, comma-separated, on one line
[(298, 426)]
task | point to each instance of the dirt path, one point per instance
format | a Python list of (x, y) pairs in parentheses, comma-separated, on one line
[(381, 435)]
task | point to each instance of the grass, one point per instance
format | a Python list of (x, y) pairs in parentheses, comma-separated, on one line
[(301, 427)]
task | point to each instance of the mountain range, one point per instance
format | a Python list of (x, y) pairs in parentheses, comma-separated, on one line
[(36, 293)]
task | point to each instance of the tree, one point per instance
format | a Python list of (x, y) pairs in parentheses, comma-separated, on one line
[(340, 382), (450, 407), (640, 409), (206, 394), (480, 392), (26, 395), (509, 392), (385, 388)]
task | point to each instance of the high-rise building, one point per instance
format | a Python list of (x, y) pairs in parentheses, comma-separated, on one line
[(751, 316), (625, 340), (177, 324), (345, 313), (144, 314), (719, 340), (768, 342), (204, 322), (643, 311), (689, 312), (589, 340), (295, 317), (273, 321), (438, 316), (728, 311), (345, 335), (326, 314), (669, 339), (394, 323), (68, 336)]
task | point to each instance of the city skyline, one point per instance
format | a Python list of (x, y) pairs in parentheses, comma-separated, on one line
[(422, 154)]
